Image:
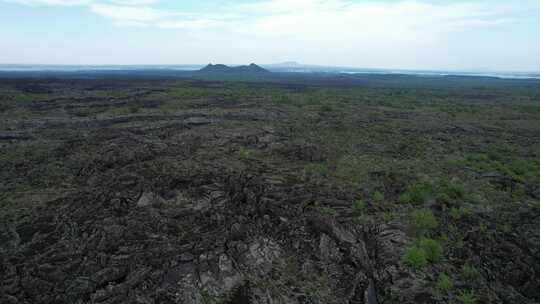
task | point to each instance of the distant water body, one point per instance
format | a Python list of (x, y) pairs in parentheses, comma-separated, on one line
[(503, 75), (20, 68)]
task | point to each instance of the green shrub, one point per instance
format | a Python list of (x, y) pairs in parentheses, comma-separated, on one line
[(444, 198), (444, 283), (452, 189), (469, 273), (244, 153), (353, 169), (378, 196), (519, 167), (328, 211), (417, 194), (423, 221), (317, 169), (525, 170), (415, 257), (359, 206), (455, 213), (432, 248), (423, 251), (467, 297), (405, 198), (458, 213), (388, 216)]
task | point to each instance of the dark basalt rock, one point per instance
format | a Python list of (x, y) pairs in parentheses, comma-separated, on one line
[(212, 203)]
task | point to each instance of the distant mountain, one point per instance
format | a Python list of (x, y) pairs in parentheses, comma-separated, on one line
[(243, 69)]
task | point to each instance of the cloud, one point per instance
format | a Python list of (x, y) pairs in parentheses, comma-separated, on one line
[(80, 2), (190, 24), (123, 23), (368, 33), (349, 24), (134, 2), (309, 18), (50, 2), (319, 20), (126, 14)]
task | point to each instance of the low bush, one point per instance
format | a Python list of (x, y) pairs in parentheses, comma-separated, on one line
[(415, 257), (378, 196), (423, 221), (459, 213), (452, 189), (423, 251), (467, 297), (469, 273), (245, 153), (359, 206), (444, 283), (432, 248), (328, 211), (417, 194)]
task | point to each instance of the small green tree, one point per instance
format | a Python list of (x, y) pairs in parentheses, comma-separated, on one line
[(359, 206), (417, 194), (444, 283), (467, 297), (415, 257), (469, 273), (423, 221), (378, 196), (432, 248)]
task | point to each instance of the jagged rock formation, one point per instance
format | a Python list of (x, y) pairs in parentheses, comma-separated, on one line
[(188, 234), (200, 198)]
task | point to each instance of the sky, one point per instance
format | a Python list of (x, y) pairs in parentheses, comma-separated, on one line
[(401, 34)]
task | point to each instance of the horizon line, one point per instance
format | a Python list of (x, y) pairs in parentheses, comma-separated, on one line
[(293, 64)]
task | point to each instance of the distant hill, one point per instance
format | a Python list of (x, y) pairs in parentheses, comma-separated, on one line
[(243, 69)]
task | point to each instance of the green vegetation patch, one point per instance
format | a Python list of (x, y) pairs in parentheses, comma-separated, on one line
[(520, 169), (444, 283), (422, 252), (417, 194), (467, 297), (423, 222), (415, 257), (359, 206)]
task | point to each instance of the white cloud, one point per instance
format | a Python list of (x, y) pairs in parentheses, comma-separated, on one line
[(413, 33), (130, 13), (398, 20), (189, 24), (308, 18), (50, 2), (80, 2), (131, 24), (134, 2)]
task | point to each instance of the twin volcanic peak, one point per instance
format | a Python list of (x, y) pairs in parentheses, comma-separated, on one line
[(221, 68)]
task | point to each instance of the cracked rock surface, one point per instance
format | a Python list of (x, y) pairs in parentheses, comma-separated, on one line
[(134, 191)]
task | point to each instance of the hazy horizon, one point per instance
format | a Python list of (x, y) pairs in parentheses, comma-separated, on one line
[(282, 65), (393, 34)]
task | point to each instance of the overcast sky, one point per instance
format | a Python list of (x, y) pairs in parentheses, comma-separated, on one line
[(420, 34)]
